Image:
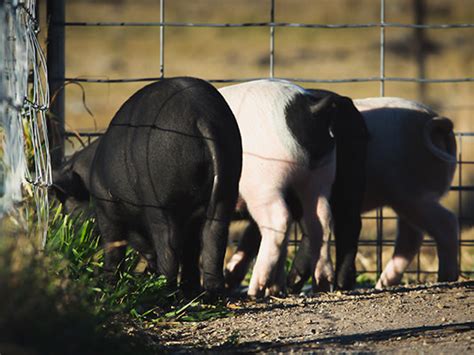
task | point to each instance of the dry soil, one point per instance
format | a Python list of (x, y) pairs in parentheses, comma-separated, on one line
[(436, 318)]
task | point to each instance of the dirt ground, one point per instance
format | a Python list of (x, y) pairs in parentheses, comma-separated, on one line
[(429, 318)]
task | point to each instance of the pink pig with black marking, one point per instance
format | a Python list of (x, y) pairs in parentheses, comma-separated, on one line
[(288, 168)]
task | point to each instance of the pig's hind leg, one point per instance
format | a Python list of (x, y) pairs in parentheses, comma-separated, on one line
[(190, 273), (300, 270), (138, 240), (323, 279), (313, 228), (320, 229), (273, 219), (442, 225), (407, 245), (214, 243), (166, 236), (439, 223), (113, 236), (239, 263)]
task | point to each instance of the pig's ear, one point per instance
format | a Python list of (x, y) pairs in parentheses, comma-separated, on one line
[(325, 112), (323, 106), (58, 187), (61, 176)]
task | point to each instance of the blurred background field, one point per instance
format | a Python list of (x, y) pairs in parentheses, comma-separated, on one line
[(222, 53), (237, 53)]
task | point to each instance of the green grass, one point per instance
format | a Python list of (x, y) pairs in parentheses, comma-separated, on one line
[(60, 301), (43, 311), (75, 242), (141, 295)]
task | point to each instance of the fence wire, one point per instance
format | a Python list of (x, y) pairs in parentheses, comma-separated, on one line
[(24, 98), (379, 217)]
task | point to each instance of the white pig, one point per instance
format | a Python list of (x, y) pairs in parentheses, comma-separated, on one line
[(410, 165), (288, 163)]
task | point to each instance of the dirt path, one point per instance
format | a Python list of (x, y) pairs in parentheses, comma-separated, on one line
[(405, 319)]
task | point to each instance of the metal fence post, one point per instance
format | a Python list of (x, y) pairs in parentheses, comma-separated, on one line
[(162, 39), (55, 12), (272, 39), (379, 212), (420, 47)]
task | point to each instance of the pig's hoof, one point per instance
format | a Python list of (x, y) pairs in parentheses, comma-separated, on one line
[(379, 285), (448, 276), (214, 296), (256, 295), (388, 279), (323, 285), (295, 282), (324, 278), (276, 291), (346, 279), (255, 299), (234, 278), (190, 292)]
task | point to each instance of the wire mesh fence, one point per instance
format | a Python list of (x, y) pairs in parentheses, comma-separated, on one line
[(24, 99), (378, 234)]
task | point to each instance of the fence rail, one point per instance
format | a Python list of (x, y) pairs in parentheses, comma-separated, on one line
[(379, 242), (265, 24), (299, 80)]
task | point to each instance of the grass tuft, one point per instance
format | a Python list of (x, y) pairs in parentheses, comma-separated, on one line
[(60, 301), (44, 313)]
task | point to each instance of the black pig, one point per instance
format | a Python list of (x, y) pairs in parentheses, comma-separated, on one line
[(71, 180), (165, 180)]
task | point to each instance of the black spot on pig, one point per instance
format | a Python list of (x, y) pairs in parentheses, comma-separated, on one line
[(313, 135)]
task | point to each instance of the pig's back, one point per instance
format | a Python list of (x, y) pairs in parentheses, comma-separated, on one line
[(259, 108), (155, 151), (399, 162)]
